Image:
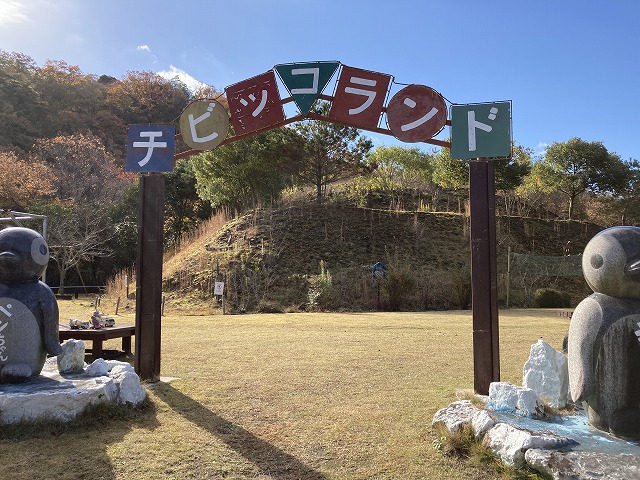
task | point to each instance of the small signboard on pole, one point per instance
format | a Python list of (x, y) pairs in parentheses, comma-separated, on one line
[(481, 130), (218, 288), (150, 148)]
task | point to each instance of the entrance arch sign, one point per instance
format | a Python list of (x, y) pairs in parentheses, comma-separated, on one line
[(416, 113)]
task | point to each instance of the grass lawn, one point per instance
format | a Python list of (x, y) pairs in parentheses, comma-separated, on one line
[(288, 396)]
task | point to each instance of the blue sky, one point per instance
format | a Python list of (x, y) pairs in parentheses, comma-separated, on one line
[(571, 68)]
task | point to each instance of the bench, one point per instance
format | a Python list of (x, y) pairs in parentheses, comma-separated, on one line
[(97, 336)]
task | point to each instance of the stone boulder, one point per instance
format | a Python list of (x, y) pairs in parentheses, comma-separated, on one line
[(98, 368), (130, 391), (510, 443), (506, 397), (547, 374), (584, 465), (461, 413), (71, 360)]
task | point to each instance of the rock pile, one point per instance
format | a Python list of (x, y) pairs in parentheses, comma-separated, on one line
[(67, 386), (513, 424)]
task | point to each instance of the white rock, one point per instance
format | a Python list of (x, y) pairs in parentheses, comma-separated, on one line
[(117, 366), (511, 398), (71, 360), (98, 368), (547, 374), (130, 391), (584, 465), (511, 443), (55, 397), (455, 416), (461, 413), (482, 423)]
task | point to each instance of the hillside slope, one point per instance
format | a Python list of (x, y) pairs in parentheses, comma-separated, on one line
[(320, 257)]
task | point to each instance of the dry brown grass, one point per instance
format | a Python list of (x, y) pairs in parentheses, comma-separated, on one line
[(288, 396)]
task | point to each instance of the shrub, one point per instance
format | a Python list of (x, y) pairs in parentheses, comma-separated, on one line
[(400, 288), (551, 298), (268, 306)]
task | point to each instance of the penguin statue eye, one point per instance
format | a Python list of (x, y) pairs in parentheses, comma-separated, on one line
[(597, 261), (39, 251)]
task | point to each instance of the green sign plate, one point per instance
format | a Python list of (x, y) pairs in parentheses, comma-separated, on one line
[(481, 130), (306, 81)]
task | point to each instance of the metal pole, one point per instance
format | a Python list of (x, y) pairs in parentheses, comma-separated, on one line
[(149, 277), (486, 352), (508, 282)]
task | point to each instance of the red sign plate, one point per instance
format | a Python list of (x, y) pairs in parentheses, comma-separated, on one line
[(359, 97), (416, 113), (255, 104)]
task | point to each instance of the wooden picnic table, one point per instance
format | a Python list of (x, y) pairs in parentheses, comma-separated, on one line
[(98, 335)]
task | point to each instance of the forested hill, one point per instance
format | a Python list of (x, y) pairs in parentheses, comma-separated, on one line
[(321, 257)]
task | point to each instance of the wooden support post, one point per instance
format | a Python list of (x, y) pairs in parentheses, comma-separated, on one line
[(484, 278), (149, 277)]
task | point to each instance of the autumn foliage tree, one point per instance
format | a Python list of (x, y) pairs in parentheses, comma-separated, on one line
[(146, 97), (23, 181), (85, 171), (87, 183)]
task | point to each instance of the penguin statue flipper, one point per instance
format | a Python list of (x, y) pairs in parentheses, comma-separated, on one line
[(51, 317), (584, 322)]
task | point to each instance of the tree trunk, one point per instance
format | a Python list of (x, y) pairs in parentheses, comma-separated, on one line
[(63, 273), (571, 203)]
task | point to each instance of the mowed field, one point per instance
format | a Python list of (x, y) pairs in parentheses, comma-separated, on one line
[(288, 396)]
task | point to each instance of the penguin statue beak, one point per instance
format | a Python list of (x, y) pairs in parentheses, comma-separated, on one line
[(632, 269)]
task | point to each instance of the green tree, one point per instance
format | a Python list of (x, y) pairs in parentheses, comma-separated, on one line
[(509, 173), (396, 170), (248, 171), (330, 150), (625, 202), (184, 209), (576, 167), (407, 164), (450, 173)]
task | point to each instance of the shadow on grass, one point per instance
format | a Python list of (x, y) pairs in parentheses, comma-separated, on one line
[(83, 456), (268, 458)]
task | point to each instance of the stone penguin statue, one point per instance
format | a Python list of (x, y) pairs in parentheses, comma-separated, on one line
[(28, 308), (604, 334)]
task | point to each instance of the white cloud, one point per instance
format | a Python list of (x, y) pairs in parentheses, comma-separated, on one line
[(143, 48), (12, 12), (541, 149), (191, 83)]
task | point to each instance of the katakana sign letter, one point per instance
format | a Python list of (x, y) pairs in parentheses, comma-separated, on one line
[(481, 130), (416, 113), (255, 104), (306, 81), (359, 97), (150, 148), (204, 124)]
